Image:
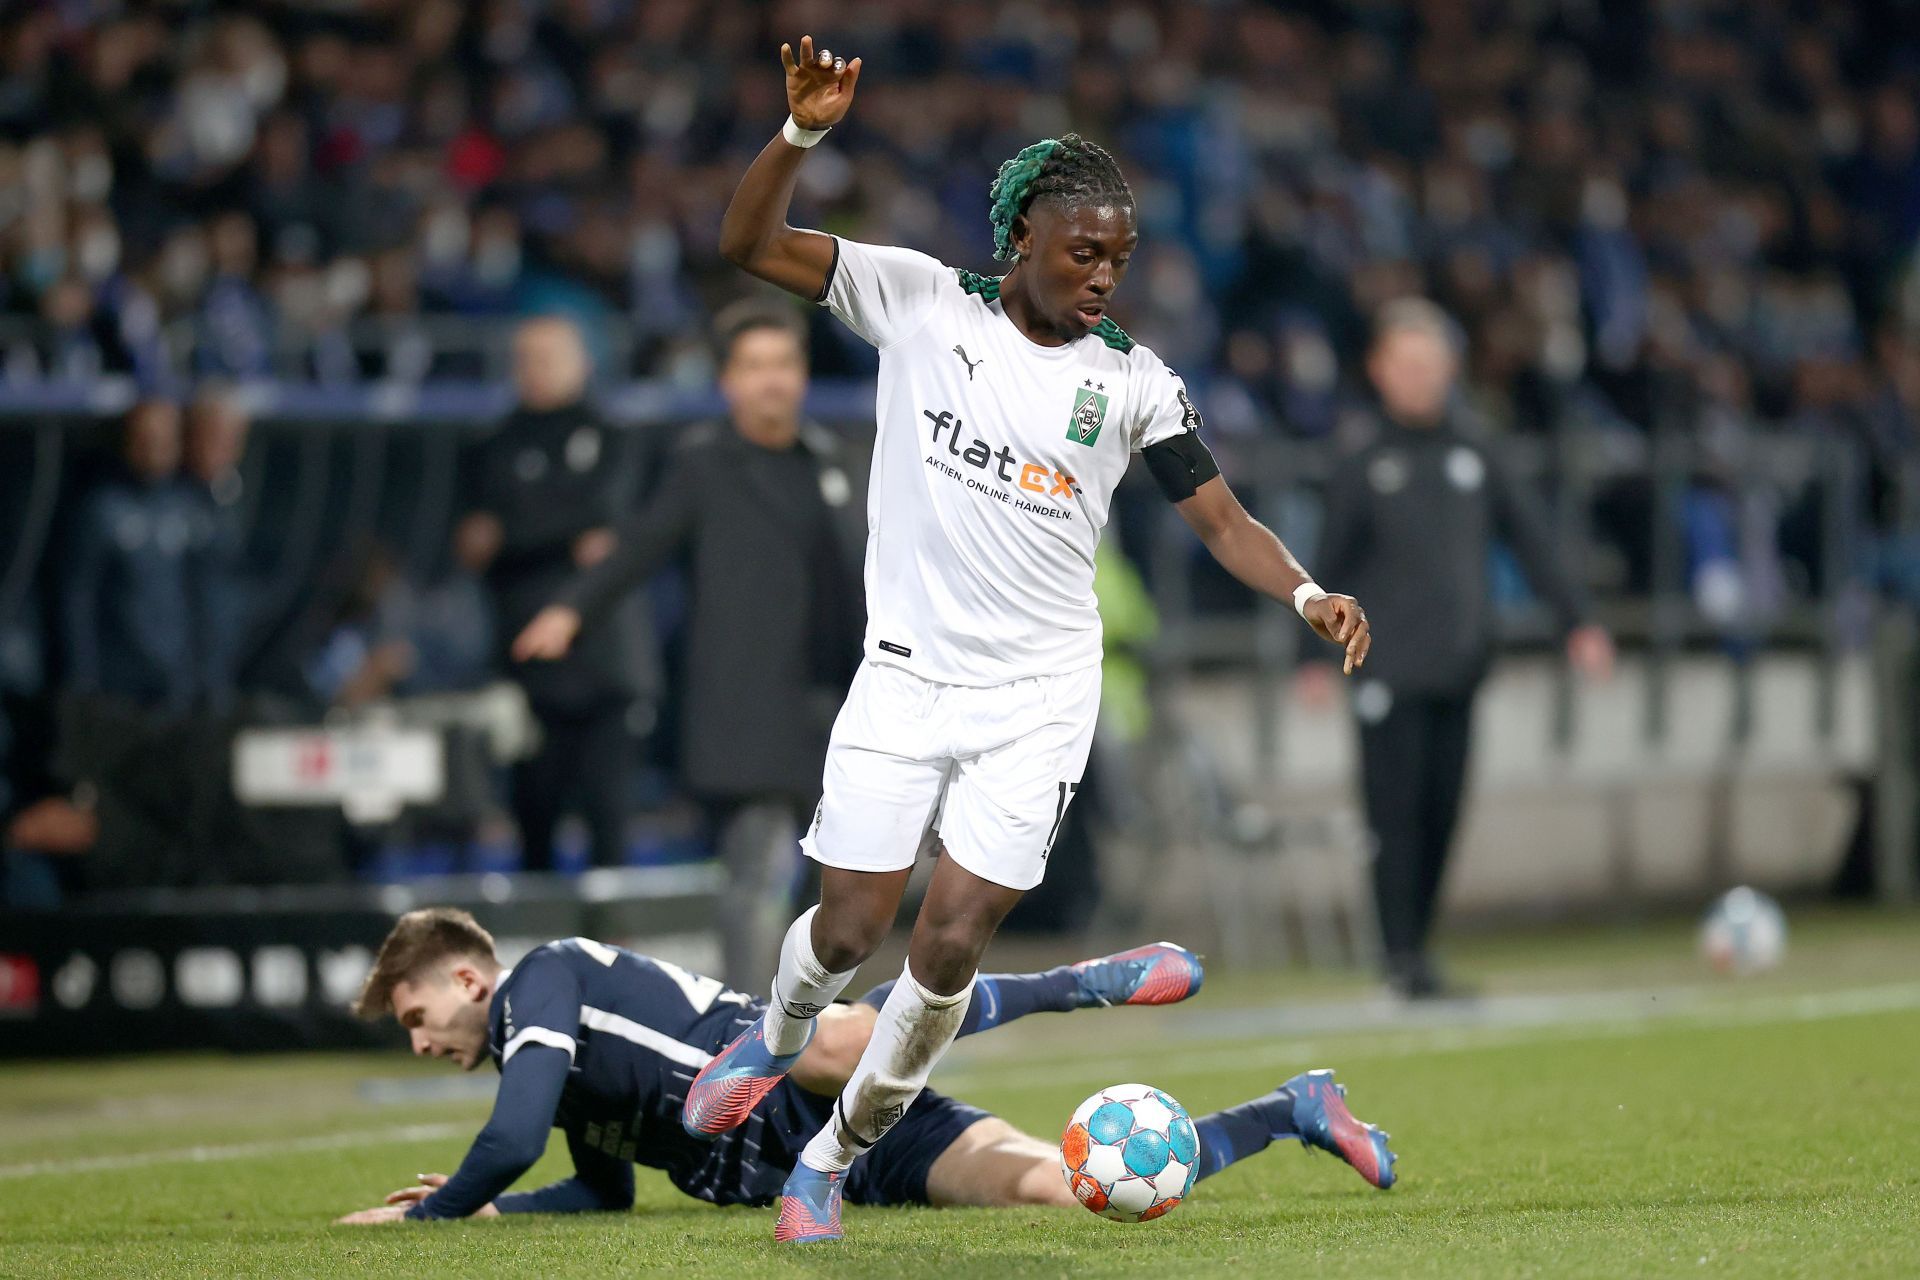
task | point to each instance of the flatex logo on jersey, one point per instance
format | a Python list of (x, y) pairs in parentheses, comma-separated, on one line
[(1057, 486)]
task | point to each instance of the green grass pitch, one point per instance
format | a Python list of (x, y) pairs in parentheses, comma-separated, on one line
[(1614, 1111)]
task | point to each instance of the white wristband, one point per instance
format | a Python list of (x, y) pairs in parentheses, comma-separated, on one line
[(1303, 593), (802, 138)]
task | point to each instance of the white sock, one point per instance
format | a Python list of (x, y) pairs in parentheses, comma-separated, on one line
[(913, 1030), (801, 989)]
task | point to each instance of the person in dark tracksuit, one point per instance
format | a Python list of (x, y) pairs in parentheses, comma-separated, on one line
[(543, 493), (769, 511), (1412, 516), (127, 587), (216, 441)]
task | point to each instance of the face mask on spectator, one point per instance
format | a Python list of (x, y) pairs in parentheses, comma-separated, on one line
[(497, 261), (183, 268), (445, 237), (656, 250), (98, 252), (90, 178), (39, 268)]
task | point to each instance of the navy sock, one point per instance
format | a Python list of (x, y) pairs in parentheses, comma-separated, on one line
[(1245, 1130), (999, 998)]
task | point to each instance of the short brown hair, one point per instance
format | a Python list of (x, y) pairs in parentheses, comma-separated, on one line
[(419, 938), (748, 315), (1418, 315)]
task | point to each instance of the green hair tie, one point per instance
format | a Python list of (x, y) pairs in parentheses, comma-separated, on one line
[(1010, 191)]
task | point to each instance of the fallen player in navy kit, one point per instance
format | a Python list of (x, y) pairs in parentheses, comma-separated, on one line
[(601, 1043)]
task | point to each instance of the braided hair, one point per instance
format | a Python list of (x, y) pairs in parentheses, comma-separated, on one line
[(1068, 170)]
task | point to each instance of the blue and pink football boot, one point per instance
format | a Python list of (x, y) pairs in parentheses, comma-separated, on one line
[(1321, 1116), (809, 1207), (1158, 973), (735, 1081)]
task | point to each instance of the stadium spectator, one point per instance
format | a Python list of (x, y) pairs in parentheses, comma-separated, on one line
[(544, 492), (1411, 519), (1603, 202), (386, 636), (128, 581), (216, 441), (768, 508)]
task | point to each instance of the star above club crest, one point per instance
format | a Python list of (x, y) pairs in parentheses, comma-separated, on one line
[(1088, 384)]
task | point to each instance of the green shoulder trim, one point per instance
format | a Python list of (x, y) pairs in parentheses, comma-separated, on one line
[(987, 287), (1114, 336)]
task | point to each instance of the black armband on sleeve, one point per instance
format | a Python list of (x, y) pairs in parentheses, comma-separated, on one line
[(833, 266), (1181, 465)]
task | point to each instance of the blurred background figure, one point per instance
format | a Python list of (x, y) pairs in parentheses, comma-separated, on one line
[(385, 636), (769, 509), (543, 493), (129, 597), (1412, 517), (216, 442), (1678, 241)]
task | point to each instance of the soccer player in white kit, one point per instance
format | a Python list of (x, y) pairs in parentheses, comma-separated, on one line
[(1008, 410)]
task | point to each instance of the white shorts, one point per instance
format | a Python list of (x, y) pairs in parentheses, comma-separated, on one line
[(990, 772)]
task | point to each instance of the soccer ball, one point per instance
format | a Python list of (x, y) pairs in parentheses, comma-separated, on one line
[(1744, 932), (1130, 1153)]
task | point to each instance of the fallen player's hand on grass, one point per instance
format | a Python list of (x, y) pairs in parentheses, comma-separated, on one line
[(372, 1217), (398, 1202), (430, 1183)]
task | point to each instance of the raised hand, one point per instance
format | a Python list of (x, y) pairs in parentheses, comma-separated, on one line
[(819, 85)]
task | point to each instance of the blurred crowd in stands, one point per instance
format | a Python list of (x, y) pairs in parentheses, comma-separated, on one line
[(1721, 192), (1694, 218)]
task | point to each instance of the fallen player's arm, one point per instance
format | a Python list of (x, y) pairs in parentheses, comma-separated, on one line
[(600, 1184), (515, 1136)]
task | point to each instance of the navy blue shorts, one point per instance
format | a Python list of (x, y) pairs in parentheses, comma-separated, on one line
[(895, 1171), (750, 1164)]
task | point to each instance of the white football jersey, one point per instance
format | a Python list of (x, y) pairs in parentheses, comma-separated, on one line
[(995, 461)]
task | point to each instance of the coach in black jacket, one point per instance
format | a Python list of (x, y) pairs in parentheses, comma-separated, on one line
[(1411, 519), (543, 494), (771, 513)]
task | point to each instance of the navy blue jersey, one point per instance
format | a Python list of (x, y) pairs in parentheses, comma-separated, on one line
[(602, 1044)]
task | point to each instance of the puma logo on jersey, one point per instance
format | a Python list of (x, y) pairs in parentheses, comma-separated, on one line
[(971, 364)]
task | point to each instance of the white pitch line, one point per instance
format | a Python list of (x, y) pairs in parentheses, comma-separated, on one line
[(235, 1151), (1481, 1025), (1488, 1024)]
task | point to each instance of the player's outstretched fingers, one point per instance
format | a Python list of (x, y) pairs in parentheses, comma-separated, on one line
[(1358, 646), (429, 1183), (787, 60)]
